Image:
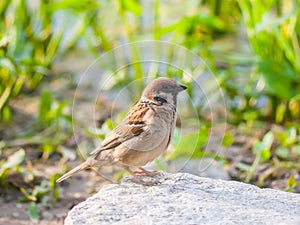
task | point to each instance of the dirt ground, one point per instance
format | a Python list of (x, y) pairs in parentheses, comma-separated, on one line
[(73, 191)]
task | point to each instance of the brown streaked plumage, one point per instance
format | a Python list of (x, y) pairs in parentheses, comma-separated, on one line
[(143, 135)]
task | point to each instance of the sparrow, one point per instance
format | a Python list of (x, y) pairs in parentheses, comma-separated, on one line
[(143, 135)]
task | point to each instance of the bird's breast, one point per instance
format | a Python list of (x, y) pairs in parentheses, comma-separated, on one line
[(151, 143)]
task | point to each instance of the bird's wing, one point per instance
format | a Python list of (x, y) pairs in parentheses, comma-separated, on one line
[(132, 126)]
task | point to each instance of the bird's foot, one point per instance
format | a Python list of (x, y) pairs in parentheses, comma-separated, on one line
[(139, 179), (142, 171)]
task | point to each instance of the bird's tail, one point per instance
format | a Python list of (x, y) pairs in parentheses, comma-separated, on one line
[(77, 169)]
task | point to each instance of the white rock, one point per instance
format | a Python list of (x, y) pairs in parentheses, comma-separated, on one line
[(187, 199)]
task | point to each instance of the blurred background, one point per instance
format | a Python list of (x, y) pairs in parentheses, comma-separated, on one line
[(69, 70)]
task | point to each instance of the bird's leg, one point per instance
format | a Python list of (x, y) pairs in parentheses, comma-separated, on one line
[(142, 171), (138, 180)]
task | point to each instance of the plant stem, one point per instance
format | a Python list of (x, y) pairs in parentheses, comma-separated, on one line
[(253, 168)]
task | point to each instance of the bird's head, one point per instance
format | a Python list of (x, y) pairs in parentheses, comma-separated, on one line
[(163, 90)]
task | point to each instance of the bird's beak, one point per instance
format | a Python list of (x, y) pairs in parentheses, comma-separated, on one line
[(182, 87)]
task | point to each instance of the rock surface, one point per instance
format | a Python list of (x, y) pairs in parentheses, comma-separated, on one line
[(187, 199)]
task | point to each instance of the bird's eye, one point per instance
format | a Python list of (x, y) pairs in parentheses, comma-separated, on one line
[(160, 99)]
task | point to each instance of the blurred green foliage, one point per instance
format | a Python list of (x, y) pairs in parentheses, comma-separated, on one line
[(281, 152), (33, 212), (273, 30), (31, 40), (189, 145), (12, 164), (27, 50)]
